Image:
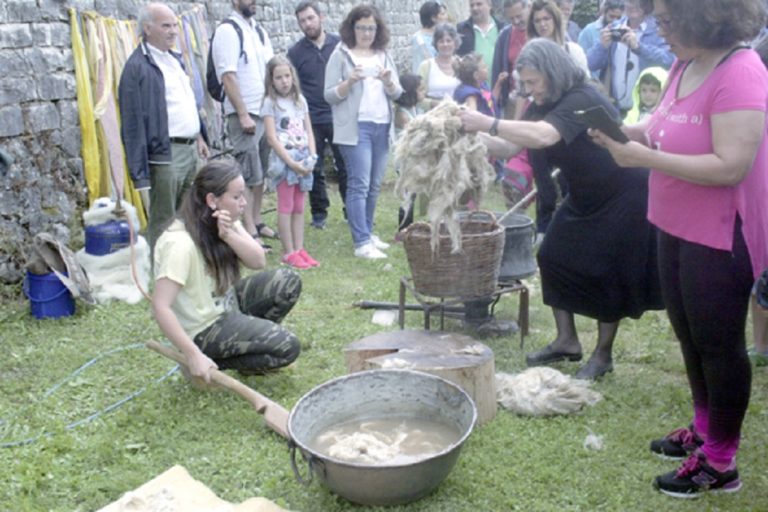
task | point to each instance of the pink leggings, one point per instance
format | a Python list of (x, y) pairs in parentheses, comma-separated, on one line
[(290, 198)]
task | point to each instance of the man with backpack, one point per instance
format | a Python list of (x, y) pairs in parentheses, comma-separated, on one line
[(161, 128), (240, 51)]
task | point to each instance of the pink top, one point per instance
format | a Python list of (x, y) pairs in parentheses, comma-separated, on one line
[(706, 214)]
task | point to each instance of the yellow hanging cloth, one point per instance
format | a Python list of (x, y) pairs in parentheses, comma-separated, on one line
[(89, 149)]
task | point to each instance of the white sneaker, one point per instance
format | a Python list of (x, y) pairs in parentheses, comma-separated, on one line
[(369, 251), (379, 243)]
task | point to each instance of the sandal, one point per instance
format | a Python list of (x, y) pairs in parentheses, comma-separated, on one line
[(260, 231), (263, 245)]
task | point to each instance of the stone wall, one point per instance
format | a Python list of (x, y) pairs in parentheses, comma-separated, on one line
[(44, 190)]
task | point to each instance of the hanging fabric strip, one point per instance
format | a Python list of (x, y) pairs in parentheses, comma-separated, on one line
[(89, 148)]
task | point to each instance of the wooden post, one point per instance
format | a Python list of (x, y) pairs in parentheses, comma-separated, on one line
[(455, 357)]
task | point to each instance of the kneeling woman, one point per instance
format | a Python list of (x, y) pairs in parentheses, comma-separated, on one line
[(200, 303), (598, 258)]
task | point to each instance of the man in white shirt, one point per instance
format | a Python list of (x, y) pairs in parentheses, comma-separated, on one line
[(242, 76), (161, 128)]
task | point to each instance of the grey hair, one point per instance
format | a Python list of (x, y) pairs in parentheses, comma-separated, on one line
[(446, 29), (145, 17), (552, 61), (510, 3)]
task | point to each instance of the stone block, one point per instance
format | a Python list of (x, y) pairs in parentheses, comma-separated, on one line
[(15, 35), (61, 34), (47, 60), (11, 121), (66, 140), (111, 8), (16, 90), (13, 63), (22, 11), (43, 117), (53, 10), (57, 86)]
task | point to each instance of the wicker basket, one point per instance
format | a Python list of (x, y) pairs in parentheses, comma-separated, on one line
[(471, 272)]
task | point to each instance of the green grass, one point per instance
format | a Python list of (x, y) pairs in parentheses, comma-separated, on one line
[(512, 463)]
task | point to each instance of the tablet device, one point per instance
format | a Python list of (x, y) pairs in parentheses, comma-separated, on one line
[(598, 117)]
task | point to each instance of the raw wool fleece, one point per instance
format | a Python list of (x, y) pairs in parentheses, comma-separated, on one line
[(543, 391), (110, 274), (439, 160)]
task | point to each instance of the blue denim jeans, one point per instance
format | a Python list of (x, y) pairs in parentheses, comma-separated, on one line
[(366, 164)]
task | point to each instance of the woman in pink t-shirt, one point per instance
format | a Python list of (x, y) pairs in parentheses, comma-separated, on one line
[(707, 148)]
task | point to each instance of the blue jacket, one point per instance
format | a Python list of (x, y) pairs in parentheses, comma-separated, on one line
[(652, 50), (144, 115)]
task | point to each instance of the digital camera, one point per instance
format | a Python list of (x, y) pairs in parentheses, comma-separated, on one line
[(618, 33)]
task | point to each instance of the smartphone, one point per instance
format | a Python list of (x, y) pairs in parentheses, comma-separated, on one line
[(371, 71), (598, 117)]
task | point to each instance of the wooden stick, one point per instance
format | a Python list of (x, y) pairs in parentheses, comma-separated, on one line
[(275, 415)]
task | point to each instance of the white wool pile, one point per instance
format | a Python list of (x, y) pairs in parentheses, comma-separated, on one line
[(543, 391), (364, 447), (103, 210), (110, 274), (438, 160)]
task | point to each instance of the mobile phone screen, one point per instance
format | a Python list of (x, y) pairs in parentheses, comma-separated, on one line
[(598, 117)]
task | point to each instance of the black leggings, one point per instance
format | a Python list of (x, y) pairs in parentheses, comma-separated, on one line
[(706, 292)]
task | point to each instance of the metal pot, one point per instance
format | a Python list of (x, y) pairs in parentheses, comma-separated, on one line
[(380, 394)]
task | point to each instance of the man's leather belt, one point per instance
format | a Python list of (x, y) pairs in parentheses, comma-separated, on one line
[(182, 140)]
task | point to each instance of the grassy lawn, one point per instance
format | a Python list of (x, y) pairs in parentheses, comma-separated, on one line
[(512, 463)]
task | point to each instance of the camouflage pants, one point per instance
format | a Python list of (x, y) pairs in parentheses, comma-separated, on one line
[(250, 337)]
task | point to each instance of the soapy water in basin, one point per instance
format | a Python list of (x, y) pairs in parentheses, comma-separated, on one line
[(385, 440)]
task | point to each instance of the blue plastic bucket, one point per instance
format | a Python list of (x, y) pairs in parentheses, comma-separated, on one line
[(48, 297), (107, 237)]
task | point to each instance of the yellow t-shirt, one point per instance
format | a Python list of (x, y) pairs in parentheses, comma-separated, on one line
[(178, 259)]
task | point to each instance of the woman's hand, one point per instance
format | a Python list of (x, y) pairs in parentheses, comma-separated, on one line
[(504, 75), (385, 75), (224, 222), (474, 121), (630, 39), (629, 154), (200, 366), (357, 75)]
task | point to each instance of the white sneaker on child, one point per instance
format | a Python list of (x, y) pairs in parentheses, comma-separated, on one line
[(379, 243), (369, 251)]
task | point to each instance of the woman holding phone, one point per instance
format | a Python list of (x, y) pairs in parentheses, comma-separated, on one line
[(360, 82), (707, 146), (598, 257)]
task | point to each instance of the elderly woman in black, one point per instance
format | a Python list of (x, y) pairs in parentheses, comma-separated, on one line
[(598, 257)]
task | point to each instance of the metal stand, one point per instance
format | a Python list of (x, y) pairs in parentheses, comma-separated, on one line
[(448, 306)]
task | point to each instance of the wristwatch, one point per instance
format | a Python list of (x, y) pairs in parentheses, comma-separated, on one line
[(494, 127)]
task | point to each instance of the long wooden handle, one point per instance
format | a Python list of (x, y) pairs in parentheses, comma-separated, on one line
[(530, 195), (273, 412)]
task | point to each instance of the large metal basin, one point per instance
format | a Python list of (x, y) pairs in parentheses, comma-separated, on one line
[(381, 394)]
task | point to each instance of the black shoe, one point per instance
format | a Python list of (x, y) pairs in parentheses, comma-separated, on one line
[(593, 370), (695, 477), (548, 355), (677, 445), (318, 223)]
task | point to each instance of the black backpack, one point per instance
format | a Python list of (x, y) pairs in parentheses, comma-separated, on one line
[(215, 88)]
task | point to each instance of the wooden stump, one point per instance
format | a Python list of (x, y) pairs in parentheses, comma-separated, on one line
[(455, 357)]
